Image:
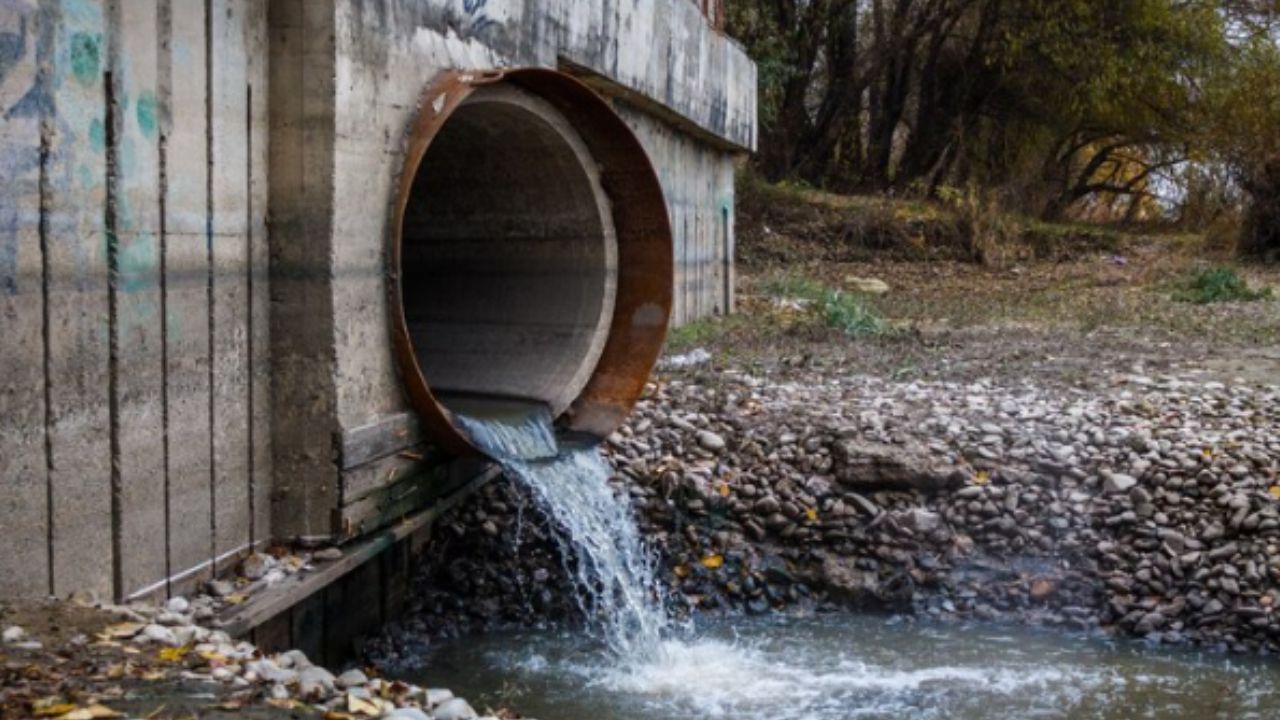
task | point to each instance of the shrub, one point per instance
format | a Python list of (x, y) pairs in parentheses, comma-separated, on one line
[(1221, 284), (847, 312)]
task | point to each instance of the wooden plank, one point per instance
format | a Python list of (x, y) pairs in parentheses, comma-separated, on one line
[(259, 297), (230, 323), (261, 607), (359, 483), (78, 308), (386, 435), (186, 295), (24, 565), (353, 609), (141, 523)]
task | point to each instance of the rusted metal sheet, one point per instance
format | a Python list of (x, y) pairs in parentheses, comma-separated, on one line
[(644, 293)]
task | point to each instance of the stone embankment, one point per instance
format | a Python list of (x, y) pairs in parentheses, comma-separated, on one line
[(1148, 506)]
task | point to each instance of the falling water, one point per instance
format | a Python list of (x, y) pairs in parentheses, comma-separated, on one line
[(612, 570)]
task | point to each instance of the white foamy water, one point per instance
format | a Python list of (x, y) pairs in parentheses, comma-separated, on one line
[(846, 666), (612, 569)]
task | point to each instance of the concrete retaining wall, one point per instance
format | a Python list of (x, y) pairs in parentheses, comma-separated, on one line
[(134, 439), (175, 384)]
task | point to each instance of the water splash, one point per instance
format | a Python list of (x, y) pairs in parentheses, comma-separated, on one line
[(611, 568)]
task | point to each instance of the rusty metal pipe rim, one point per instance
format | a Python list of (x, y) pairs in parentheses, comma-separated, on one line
[(641, 302)]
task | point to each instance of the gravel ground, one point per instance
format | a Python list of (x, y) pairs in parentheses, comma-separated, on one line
[(1142, 505)]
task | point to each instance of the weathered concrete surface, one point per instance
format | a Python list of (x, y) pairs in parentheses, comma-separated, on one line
[(177, 385), (107, 288), (662, 54)]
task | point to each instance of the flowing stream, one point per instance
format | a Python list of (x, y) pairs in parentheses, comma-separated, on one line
[(633, 664), (612, 570)]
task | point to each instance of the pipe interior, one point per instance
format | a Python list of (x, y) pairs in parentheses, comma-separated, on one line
[(509, 257)]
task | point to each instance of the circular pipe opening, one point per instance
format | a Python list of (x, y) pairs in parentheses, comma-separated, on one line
[(510, 257), (530, 254)]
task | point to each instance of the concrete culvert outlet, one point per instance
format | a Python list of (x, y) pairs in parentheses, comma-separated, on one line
[(531, 254)]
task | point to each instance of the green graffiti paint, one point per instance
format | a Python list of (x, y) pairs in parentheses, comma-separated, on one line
[(146, 112), (86, 58), (97, 135), (138, 264)]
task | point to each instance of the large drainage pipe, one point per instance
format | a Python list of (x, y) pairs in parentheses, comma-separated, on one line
[(530, 254)]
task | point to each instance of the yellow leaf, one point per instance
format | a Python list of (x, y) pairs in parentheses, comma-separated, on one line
[(1274, 490), (174, 654), (982, 478), (712, 562), (283, 703), (51, 706), (236, 598), (812, 514), (93, 712), (1207, 452), (681, 571), (723, 489)]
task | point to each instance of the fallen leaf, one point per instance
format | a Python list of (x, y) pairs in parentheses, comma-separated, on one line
[(121, 631), (723, 489), (681, 571), (236, 598), (93, 712), (174, 654), (283, 703), (711, 562), (981, 478), (51, 706), (360, 706), (811, 514), (1274, 491)]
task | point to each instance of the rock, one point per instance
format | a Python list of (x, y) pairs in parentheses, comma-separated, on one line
[(315, 681), (13, 634), (435, 696), (279, 692), (161, 634), (710, 441), (922, 521), (866, 286), (850, 585), (220, 588), (453, 709), (178, 605), (268, 671), (351, 678), (907, 466), (1116, 483), (295, 659), (328, 554), (255, 566)]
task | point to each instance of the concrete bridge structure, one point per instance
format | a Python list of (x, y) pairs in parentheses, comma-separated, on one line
[(195, 353)]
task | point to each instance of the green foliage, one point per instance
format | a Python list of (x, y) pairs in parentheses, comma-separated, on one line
[(847, 312), (1220, 284)]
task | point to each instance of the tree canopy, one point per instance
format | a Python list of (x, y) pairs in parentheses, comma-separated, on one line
[(1063, 105)]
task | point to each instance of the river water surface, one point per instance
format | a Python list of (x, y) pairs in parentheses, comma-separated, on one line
[(630, 662), (847, 666)]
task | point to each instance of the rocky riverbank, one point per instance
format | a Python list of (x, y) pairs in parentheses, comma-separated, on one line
[(78, 660), (1137, 505)]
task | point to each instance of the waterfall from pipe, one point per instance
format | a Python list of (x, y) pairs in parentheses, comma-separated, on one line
[(612, 570)]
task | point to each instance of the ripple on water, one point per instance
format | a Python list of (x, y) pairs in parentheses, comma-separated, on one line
[(840, 667)]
